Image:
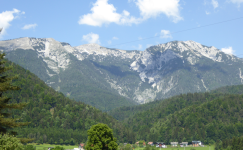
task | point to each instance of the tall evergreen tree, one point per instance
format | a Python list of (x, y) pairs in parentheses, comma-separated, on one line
[(7, 122)]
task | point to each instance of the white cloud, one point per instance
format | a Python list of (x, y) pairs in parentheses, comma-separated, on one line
[(6, 17), (104, 13), (238, 2), (91, 38), (228, 50), (28, 26), (207, 12), (215, 3), (165, 34), (153, 8)]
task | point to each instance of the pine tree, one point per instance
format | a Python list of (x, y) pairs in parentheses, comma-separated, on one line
[(6, 122)]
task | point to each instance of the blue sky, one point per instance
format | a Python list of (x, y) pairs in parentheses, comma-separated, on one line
[(110, 23)]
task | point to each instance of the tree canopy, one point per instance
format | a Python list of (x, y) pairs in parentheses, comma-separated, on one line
[(100, 137)]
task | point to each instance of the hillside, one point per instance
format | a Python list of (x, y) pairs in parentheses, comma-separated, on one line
[(126, 112), (215, 120), (91, 73), (142, 119), (54, 116)]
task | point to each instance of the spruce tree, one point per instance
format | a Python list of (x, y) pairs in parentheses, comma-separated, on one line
[(6, 122)]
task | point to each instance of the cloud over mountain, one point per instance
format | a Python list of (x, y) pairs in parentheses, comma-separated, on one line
[(91, 38), (29, 26), (228, 50)]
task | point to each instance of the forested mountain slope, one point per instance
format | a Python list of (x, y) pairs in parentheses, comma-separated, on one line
[(143, 122), (81, 80), (54, 117), (125, 112), (108, 78), (234, 89), (219, 119)]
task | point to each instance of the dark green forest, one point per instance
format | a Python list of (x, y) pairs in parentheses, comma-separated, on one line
[(155, 122), (218, 119), (55, 118), (236, 143), (125, 112)]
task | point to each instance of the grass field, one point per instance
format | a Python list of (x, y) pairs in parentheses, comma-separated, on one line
[(45, 146), (182, 148)]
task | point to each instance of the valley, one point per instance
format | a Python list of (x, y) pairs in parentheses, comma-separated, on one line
[(121, 75), (206, 113)]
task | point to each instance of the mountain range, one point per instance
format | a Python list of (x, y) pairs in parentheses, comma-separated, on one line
[(108, 78)]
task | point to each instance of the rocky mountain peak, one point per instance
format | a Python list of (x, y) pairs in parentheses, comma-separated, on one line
[(191, 50), (158, 72)]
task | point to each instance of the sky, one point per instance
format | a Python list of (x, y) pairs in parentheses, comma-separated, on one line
[(127, 24)]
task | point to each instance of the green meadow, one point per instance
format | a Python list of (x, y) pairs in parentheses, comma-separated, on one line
[(45, 146), (182, 148)]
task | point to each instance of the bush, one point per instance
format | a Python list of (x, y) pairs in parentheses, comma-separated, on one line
[(9, 142), (29, 147)]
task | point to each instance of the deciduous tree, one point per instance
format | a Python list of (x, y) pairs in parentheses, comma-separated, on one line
[(100, 137)]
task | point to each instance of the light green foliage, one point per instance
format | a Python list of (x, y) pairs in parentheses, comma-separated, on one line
[(128, 147), (141, 143), (58, 148), (9, 142), (46, 146), (100, 137), (29, 147)]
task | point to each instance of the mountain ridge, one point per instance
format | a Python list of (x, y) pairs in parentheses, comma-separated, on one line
[(159, 72)]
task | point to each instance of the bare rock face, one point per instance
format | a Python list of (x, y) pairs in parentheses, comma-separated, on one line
[(158, 72)]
